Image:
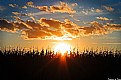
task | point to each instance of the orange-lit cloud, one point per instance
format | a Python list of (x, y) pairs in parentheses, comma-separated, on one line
[(48, 28), (97, 28), (36, 34), (62, 7), (51, 23), (98, 10), (30, 4), (43, 8)]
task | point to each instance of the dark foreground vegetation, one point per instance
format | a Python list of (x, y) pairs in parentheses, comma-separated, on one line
[(35, 65)]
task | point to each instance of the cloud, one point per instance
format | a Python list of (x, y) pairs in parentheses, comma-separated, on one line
[(91, 11), (74, 4), (6, 26), (94, 29), (20, 14), (31, 4), (36, 34), (43, 8), (62, 8), (102, 18), (97, 28), (98, 10), (51, 23), (85, 12), (24, 7), (51, 28), (108, 8), (17, 15), (13, 5), (2, 8), (113, 27)]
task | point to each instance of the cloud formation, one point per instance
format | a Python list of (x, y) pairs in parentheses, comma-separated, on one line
[(62, 7), (51, 28)]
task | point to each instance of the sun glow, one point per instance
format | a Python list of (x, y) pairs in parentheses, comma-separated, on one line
[(62, 48)]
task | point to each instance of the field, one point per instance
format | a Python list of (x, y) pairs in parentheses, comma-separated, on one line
[(35, 65)]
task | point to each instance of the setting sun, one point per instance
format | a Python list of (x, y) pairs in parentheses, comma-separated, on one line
[(62, 48), (60, 39)]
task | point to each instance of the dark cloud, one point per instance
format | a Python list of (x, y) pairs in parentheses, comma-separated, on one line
[(6, 25), (51, 23)]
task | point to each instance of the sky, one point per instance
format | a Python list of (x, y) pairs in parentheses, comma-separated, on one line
[(44, 23)]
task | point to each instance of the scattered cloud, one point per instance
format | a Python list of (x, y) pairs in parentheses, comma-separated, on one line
[(108, 8), (91, 11), (62, 7), (20, 14)]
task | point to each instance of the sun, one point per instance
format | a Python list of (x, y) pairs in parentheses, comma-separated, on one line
[(62, 48)]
